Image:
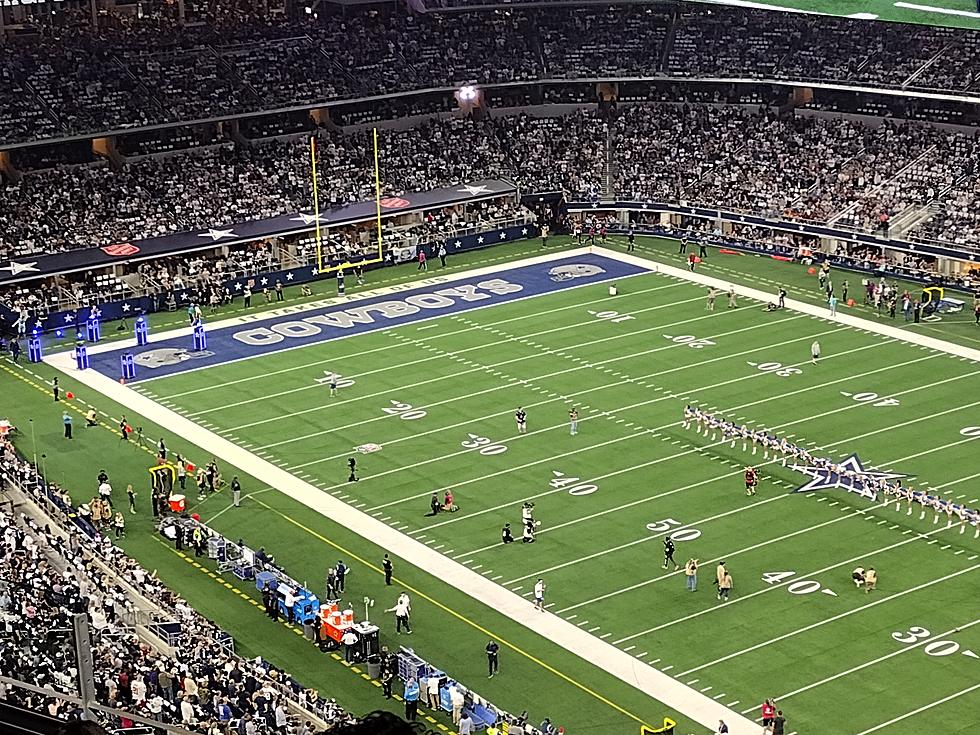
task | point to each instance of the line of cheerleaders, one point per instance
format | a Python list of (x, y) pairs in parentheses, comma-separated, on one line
[(786, 451)]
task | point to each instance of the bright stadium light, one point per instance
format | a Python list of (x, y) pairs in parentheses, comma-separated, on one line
[(467, 93)]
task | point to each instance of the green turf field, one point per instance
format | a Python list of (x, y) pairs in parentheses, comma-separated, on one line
[(604, 496), (932, 12), (439, 397)]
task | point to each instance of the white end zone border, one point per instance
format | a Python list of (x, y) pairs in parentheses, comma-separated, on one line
[(800, 306), (620, 664)]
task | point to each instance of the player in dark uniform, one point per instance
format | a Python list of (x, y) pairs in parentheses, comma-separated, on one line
[(352, 464), (751, 480), (520, 415), (683, 247), (669, 553), (630, 241)]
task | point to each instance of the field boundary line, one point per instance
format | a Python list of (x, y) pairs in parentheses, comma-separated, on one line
[(832, 619), (918, 710), (847, 319), (920, 643)]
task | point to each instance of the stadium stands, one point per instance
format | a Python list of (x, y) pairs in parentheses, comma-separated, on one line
[(150, 71), (48, 574)]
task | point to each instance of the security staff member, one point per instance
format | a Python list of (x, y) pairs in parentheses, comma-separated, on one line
[(492, 650), (386, 565)]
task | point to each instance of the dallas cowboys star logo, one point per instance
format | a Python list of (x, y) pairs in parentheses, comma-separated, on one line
[(848, 474), (216, 235), (474, 190)]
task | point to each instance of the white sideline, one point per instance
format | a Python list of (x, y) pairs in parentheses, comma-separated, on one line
[(765, 297), (622, 665)]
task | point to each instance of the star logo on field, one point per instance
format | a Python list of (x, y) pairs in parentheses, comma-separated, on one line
[(474, 190), (16, 268), (289, 276), (848, 474), (306, 219), (126, 308), (216, 235)]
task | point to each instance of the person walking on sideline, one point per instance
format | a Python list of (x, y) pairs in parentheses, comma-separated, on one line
[(539, 588), (402, 610), (832, 303), (56, 389), (131, 495), (493, 648), (712, 294), (14, 350), (411, 697), (236, 492), (732, 298), (691, 575), (573, 421), (630, 241), (422, 265), (442, 254), (465, 726), (123, 429), (66, 420), (545, 231), (815, 352), (722, 727), (782, 297), (779, 724), (386, 566), (341, 575)]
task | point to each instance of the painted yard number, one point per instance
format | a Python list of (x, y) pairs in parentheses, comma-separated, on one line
[(404, 410), (935, 648), (970, 431), (776, 368), (871, 399), (681, 534), (574, 484), (613, 316), (690, 340), (486, 446), (800, 587)]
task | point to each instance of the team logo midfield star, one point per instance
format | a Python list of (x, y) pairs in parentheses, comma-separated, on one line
[(828, 478)]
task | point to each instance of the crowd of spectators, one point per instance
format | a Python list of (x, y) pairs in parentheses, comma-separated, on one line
[(129, 72), (809, 166), (47, 575)]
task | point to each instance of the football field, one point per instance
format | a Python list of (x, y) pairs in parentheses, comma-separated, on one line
[(963, 13), (425, 402)]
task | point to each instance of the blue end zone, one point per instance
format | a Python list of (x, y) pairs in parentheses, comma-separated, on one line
[(275, 333)]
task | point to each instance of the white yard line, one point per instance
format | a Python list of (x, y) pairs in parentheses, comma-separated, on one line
[(647, 582), (440, 335), (564, 425), (921, 709), (763, 591), (921, 643), (857, 322), (409, 388), (400, 365), (941, 11), (567, 397), (832, 619), (700, 449), (622, 665)]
